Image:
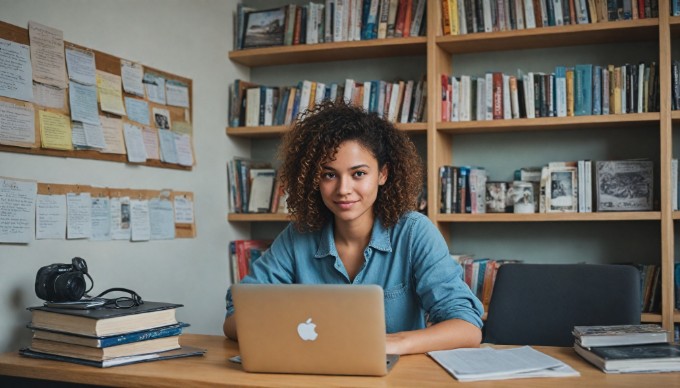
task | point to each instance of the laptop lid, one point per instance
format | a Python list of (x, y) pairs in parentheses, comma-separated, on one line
[(314, 329)]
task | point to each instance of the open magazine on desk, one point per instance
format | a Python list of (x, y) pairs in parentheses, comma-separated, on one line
[(500, 364)]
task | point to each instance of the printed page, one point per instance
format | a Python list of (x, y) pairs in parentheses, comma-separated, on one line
[(94, 135), (137, 110), (120, 218), (78, 135), (185, 156), (184, 210), (177, 93), (17, 210), (83, 101), (48, 96), (155, 88), (17, 124), (161, 219), (134, 142), (132, 74), (101, 219), (50, 217), (81, 66), (151, 143), (79, 215), (139, 220), (110, 93), (168, 150), (112, 129), (15, 71), (55, 131), (47, 54)]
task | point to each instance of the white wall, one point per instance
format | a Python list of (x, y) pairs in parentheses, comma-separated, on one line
[(187, 38)]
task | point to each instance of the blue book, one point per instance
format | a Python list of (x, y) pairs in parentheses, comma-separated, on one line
[(597, 90), (184, 351), (583, 90), (107, 341)]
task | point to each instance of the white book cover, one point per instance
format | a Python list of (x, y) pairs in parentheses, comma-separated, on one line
[(455, 100), (544, 12), (529, 19), (557, 6), (581, 187), (462, 23), (394, 99), (488, 20), (349, 89), (624, 91), (582, 12), (519, 14), (261, 187), (366, 102), (674, 184), (507, 105), (464, 96), (253, 107), (488, 96), (269, 106), (529, 91), (312, 35), (334, 91), (406, 106), (514, 97), (305, 95), (481, 99), (320, 92), (339, 20), (641, 87), (589, 186), (605, 91), (561, 94)]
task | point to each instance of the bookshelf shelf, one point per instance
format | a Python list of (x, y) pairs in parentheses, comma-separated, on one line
[(258, 217), (551, 123), (676, 215), (550, 217), (572, 35), (327, 52), (278, 130), (651, 318), (676, 316)]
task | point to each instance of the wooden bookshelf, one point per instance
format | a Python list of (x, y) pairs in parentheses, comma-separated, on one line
[(440, 53)]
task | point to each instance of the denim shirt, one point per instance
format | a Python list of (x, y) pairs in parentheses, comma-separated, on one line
[(410, 261)]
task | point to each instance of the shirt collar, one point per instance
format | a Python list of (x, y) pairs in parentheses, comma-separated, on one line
[(380, 239)]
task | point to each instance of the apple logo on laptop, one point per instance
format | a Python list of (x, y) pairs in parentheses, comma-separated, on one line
[(306, 330)]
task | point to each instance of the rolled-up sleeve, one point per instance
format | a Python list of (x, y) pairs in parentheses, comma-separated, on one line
[(275, 266), (438, 278)]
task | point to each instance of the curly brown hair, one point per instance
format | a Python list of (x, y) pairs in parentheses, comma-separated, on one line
[(314, 140)]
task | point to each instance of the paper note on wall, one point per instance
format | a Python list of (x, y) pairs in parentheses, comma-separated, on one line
[(155, 88), (184, 210), (17, 124), (177, 94), (185, 155), (137, 110), (55, 131), (139, 220), (15, 71), (47, 54), (83, 100), (161, 219), (134, 143), (132, 74), (112, 129), (151, 142), (81, 66), (48, 96), (120, 218), (79, 215), (101, 219), (168, 150), (110, 93), (17, 210), (50, 217)]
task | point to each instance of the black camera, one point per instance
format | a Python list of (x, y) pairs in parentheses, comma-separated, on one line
[(62, 282)]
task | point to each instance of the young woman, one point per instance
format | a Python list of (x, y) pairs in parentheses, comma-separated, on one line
[(352, 181)]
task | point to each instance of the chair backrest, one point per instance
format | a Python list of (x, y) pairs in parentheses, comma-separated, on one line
[(539, 304)]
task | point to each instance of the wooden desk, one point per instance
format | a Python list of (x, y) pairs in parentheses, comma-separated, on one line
[(213, 370)]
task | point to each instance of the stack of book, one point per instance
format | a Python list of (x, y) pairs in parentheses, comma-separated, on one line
[(106, 337), (627, 348)]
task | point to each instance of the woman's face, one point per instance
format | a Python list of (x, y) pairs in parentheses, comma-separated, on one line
[(349, 184)]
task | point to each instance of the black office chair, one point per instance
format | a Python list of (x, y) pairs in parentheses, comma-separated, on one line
[(539, 304)]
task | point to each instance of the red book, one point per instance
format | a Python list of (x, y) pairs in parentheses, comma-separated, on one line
[(445, 98), (298, 25), (401, 18), (497, 96)]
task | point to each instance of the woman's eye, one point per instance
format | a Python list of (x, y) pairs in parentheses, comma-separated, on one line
[(359, 173), (328, 175)]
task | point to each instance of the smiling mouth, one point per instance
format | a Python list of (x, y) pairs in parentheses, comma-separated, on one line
[(345, 204)]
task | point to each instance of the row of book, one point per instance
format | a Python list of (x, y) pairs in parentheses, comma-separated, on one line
[(650, 287), (253, 187), (241, 255), (256, 105), (460, 17), (106, 337), (627, 348), (580, 186), (328, 21), (480, 275), (582, 90)]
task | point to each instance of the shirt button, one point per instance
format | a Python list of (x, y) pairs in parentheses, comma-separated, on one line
[(368, 251)]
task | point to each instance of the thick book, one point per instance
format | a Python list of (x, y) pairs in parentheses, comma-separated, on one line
[(155, 345), (105, 342), (614, 335), (633, 358), (184, 351), (106, 321)]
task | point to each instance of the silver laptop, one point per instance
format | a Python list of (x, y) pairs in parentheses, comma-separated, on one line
[(315, 329)]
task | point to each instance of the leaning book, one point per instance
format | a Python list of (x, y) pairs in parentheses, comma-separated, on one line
[(614, 335), (104, 321), (633, 358), (184, 351), (624, 185)]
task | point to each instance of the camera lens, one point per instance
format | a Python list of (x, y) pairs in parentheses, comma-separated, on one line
[(69, 286)]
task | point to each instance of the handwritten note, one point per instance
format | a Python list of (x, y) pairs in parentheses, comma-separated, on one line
[(185, 155), (137, 110), (50, 217), (151, 142), (88, 135), (184, 210), (110, 93), (15, 71), (161, 219), (132, 74), (139, 220), (47, 54), (48, 96), (168, 150), (134, 142), (112, 128), (17, 210), (79, 215), (83, 99), (155, 88), (81, 66), (101, 219), (177, 93), (78, 135), (55, 131), (17, 124)]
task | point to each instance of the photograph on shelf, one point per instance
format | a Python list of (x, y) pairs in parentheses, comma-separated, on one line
[(624, 185), (563, 196), (495, 197), (264, 28)]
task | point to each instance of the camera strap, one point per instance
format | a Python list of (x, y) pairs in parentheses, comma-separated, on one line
[(121, 302)]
